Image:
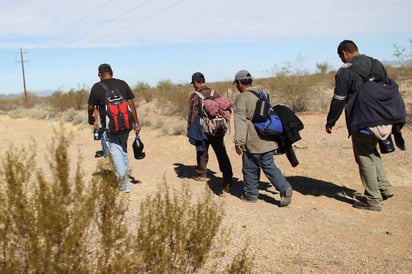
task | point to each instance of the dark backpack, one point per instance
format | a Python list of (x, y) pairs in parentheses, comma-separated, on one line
[(119, 117), (210, 123), (265, 119)]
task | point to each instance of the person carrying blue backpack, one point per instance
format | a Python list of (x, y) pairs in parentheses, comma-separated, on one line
[(257, 152)]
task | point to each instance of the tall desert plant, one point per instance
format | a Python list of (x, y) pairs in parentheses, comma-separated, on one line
[(46, 222), (174, 235)]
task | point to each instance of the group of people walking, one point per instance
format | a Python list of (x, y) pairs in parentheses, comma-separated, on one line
[(258, 153)]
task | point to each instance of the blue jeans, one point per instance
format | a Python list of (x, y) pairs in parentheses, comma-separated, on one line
[(117, 147), (252, 163), (104, 147)]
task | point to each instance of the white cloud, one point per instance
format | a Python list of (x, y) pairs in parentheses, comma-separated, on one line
[(66, 40), (44, 23)]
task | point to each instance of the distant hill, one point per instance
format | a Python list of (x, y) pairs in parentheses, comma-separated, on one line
[(396, 63), (42, 93)]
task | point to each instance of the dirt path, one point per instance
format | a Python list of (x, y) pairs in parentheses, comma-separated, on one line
[(320, 232)]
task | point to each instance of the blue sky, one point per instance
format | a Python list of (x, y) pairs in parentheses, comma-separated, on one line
[(152, 40)]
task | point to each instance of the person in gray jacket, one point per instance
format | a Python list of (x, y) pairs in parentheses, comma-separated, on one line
[(257, 153)]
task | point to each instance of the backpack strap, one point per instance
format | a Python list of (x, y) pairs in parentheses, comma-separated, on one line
[(372, 75), (362, 73), (110, 92), (258, 94), (254, 92), (201, 107), (200, 95)]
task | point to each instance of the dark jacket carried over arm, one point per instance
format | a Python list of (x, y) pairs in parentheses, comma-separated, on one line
[(365, 105), (291, 127)]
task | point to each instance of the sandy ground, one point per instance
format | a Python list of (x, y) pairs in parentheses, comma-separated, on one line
[(320, 232)]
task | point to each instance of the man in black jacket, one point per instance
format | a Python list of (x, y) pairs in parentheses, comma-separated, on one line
[(347, 84)]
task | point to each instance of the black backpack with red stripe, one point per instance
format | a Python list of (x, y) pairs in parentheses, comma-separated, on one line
[(119, 117)]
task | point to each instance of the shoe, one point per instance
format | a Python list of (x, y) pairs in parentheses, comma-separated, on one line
[(99, 154), (243, 197), (387, 196), (361, 197), (227, 183), (286, 198), (125, 190), (361, 205), (200, 178)]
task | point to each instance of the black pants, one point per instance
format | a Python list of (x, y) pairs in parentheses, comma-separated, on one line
[(219, 148)]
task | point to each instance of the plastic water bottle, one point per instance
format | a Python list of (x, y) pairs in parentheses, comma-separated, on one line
[(96, 134)]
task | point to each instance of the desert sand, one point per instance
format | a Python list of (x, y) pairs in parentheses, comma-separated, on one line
[(319, 232)]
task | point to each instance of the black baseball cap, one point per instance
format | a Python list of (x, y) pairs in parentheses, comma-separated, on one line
[(198, 77), (105, 68)]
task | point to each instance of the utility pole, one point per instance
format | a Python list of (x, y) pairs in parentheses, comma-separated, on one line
[(24, 77)]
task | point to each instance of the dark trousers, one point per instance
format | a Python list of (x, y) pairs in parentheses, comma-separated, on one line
[(202, 157)]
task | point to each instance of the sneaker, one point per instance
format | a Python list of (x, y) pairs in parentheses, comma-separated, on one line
[(245, 198), (125, 190), (361, 205), (199, 178), (286, 198)]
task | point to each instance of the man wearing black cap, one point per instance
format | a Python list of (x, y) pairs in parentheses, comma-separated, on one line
[(216, 141), (116, 142)]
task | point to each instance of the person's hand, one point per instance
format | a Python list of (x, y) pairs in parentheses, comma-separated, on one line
[(328, 129), (91, 120), (137, 128), (239, 149)]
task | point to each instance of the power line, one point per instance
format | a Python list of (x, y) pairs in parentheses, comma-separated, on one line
[(143, 19), (82, 19), (128, 11), (110, 20)]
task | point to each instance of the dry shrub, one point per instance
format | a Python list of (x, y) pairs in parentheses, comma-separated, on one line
[(242, 263), (178, 129), (174, 235), (52, 224), (38, 112), (57, 223), (61, 101)]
